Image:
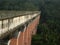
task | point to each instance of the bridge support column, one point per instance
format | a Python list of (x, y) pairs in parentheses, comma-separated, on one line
[(12, 41), (20, 38)]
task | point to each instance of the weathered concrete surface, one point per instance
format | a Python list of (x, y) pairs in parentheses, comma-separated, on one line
[(12, 14), (9, 25)]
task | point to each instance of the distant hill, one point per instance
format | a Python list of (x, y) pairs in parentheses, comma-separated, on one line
[(18, 5)]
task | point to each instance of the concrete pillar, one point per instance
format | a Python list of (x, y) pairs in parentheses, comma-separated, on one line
[(29, 37), (20, 38), (12, 41), (26, 37)]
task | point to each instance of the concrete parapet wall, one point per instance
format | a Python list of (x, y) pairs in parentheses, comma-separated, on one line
[(7, 25)]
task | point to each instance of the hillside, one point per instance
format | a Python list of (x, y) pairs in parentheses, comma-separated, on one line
[(49, 28)]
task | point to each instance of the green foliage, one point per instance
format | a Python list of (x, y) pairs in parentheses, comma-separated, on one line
[(49, 28), (46, 36), (18, 5)]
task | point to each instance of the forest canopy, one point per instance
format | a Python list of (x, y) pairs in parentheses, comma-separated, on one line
[(18, 5)]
